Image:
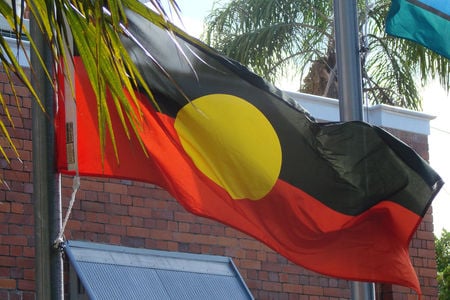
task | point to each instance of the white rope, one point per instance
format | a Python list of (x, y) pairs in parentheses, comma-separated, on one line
[(75, 186)]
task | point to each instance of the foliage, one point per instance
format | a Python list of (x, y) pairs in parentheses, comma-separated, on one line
[(274, 37), (443, 264), (95, 28)]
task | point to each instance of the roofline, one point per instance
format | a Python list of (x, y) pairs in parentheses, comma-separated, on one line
[(327, 109)]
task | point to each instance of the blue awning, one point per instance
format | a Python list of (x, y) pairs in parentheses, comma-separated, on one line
[(116, 272)]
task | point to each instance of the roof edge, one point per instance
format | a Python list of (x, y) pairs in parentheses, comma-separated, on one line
[(327, 109)]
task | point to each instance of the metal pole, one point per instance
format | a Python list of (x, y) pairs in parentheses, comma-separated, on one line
[(362, 290), (350, 89), (348, 60), (47, 207)]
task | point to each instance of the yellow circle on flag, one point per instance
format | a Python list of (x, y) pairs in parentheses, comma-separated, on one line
[(232, 143)]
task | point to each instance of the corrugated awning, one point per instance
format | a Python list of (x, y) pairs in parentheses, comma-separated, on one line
[(116, 272)]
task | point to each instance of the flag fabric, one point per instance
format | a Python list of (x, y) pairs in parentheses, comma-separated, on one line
[(426, 22), (341, 199)]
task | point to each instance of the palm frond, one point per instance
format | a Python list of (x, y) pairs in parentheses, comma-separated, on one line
[(272, 36), (268, 36), (95, 28)]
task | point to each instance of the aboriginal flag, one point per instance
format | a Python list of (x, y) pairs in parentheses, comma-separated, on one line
[(341, 199), (426, 22)]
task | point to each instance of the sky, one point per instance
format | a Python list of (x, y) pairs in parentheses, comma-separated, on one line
[(436, 102)]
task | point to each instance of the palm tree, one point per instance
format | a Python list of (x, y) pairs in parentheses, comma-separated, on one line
[(94, 27), (275, 37)]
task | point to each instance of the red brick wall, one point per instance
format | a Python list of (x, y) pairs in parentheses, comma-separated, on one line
[(16, 209), (135, 214)]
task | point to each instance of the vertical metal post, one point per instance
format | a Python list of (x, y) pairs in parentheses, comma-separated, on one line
[(47, 207), (348, 60), (350, 89)]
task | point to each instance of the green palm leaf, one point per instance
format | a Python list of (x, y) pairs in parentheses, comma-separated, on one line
[(275, 38), (95, 28)]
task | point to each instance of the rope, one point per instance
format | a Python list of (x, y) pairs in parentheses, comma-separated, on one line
[(59, 241)]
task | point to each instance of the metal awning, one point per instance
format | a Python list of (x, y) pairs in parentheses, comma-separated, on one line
[(116, 272)]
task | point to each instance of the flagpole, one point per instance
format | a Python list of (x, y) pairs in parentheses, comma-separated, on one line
[(350, 89), (47, 205)]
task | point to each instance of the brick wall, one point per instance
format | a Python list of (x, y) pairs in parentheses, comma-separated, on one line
[(142, 215), (16, 209)]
